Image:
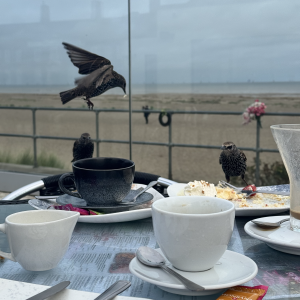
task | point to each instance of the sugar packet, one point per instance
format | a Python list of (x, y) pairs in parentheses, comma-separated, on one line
[(245, 293)]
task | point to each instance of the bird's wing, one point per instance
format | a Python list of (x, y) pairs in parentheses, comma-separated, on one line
[(243, 156), (75, 146), (76, 143), (85, 61), (105, 76), (220, 158), (97, 76)]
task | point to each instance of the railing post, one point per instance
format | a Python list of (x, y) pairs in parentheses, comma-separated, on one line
[(257, 175), (170, 147), (35, 164), (97, 132)]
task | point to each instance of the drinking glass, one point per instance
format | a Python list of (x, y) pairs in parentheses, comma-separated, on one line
[(287, 138)]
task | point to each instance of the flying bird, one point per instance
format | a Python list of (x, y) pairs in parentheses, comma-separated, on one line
[(101, 76), (83, 147), (233, 161)]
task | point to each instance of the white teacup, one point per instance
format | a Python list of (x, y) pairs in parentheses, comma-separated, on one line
[(193, 232), (38, 239)]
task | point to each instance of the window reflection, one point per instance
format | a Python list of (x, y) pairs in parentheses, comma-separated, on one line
[(187, 55)]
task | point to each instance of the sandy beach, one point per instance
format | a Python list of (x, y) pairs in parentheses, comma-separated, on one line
[(187, 163)]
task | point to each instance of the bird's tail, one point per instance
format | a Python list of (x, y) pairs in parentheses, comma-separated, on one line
[(67, 96)]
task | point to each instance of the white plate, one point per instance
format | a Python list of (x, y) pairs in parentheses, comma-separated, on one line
[(232, 269), (174, 189), (124, 216), (282, 238)]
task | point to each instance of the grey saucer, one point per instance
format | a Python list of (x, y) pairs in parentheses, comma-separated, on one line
[(81, 203)]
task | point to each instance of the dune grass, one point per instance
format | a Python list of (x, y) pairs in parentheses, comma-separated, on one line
[(44, 159)]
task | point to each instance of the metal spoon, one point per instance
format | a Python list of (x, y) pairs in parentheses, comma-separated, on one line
[(152, 258), (151, 184), (269, 224), (114, 290)]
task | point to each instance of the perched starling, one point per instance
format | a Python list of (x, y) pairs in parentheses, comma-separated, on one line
[(100, 79), (83, 147), (233, 161)]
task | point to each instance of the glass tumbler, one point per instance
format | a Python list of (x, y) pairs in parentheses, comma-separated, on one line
[(287, 138)]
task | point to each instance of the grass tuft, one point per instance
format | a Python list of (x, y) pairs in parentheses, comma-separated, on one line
[(26, 158)]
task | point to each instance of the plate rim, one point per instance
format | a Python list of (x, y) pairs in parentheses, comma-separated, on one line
[(266, 240), (212, 287), (112, 206), (105, 218), (242, 208)]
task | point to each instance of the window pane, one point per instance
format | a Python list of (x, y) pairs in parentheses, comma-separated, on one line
[(211, 56), (35, 68)]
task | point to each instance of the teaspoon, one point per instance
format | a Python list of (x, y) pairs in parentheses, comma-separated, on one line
[(269, 224), (152, 258), (151, 184), (114, 290)]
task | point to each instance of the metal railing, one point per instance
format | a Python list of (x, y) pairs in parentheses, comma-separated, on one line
[(170, 144)]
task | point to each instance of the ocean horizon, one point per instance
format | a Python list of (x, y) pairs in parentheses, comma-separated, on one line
[(290, 87)]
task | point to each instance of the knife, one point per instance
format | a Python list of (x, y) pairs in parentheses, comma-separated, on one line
[(114, 290), (50, 292)]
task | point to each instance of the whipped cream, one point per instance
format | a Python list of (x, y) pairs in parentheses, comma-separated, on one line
[(200, 188)]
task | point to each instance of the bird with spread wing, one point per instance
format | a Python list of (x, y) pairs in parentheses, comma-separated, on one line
[(100, 76)]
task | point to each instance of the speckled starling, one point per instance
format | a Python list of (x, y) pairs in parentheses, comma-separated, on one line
[(83, 147), (233, 161), (100, 78)]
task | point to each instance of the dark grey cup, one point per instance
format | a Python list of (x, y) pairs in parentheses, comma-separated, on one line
[(101, 181)]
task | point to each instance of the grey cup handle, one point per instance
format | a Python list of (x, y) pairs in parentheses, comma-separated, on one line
[(192, 286), (114, 290), (62, 187)]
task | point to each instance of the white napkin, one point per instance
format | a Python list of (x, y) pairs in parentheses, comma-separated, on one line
[(16, 290)]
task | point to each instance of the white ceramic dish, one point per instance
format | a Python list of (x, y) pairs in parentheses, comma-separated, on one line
[(174, 189), (282, 238), (231, 270), (16, 290), (124, 216)]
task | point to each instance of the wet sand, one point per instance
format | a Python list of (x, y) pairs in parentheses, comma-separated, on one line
[(188, 163)]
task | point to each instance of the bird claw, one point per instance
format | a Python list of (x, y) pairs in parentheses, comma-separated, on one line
[(89, 103)]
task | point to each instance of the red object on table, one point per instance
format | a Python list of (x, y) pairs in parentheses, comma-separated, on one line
[(250, 187)]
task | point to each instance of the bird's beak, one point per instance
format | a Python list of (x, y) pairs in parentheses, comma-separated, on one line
[(223, 147)]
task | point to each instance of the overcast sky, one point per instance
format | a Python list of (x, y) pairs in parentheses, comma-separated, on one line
[(173, 41)]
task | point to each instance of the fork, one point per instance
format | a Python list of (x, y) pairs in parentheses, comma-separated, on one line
[(225, 184)]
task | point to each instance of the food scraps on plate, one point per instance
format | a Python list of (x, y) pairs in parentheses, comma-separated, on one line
[(259, 200)]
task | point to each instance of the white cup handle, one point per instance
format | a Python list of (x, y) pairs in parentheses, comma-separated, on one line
[(5, 254)]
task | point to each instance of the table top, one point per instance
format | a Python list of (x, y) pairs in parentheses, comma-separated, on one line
[(99, 254)]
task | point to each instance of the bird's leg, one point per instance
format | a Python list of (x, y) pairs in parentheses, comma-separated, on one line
[(242, 176), (227, 178), (89, 103)]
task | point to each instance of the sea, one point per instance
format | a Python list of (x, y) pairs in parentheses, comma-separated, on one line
[(290, 87)]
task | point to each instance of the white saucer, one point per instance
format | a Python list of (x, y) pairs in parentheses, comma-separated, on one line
[(281, 238), (174, 190), (231, 270), (123, 216)]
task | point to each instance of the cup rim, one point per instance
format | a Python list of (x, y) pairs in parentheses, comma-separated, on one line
[(193, 215), (282, 128), (106, 170), (40, 211)]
